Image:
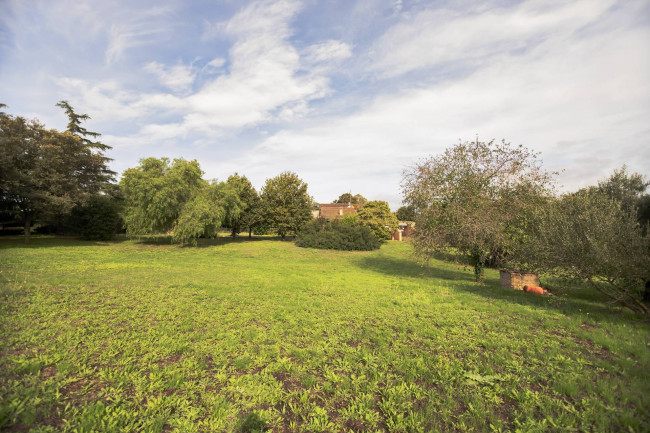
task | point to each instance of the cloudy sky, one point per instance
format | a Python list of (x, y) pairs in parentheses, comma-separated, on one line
[(347, 94)]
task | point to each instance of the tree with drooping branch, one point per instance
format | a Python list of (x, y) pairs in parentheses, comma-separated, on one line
[(476, 197), (590, 237)]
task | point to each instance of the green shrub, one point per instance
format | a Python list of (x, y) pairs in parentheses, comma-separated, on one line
[(98, 219), (337, 236)]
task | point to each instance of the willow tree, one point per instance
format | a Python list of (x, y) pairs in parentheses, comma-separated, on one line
[(476, 197), (156, 193)]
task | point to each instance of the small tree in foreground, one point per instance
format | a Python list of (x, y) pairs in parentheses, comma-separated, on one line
[(587, 236), (476, 197)]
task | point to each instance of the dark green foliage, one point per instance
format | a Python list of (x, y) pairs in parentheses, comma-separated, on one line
[(587, 236), (45, 173), (286, 204), (352, 199), (252, 423), (98, 219), (405, 213), (242, 205), (337, 236)]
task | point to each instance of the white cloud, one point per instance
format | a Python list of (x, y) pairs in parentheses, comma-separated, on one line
[(439, 36), (579, 98), (217, 62), (178, 78), (262, 83), (131, 27), (328, 50)]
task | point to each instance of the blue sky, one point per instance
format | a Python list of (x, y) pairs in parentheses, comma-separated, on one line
[(346, 94)]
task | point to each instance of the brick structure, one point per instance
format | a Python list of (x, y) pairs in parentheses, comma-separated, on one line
[(517, 280), (337, 210)]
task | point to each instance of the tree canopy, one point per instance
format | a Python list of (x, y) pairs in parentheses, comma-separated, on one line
[(476, 197), (589, 237), (352, 199), (44, 172), (156, 191), (405, 213), (287, 204), (376, 215), (202, 215), (241, 210), (626, 188)]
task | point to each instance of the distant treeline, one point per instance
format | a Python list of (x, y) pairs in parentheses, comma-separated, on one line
[(61, 180)]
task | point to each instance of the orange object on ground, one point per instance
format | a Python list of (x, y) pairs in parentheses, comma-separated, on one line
[(534, 289)]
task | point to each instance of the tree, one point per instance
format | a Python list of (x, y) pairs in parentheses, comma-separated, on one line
[(587, 236), (352, 199), (75, 128), (476, 197), (405, 213), (286, 203), (45, 173), (155, 193), (241, 206), (376, 215), (98, 219), (202, 215), (626, 188)]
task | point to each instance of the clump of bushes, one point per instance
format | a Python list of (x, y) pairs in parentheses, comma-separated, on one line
[(97, 220), (337, 236)]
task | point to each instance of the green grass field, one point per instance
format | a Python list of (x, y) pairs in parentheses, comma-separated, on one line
[(262, 335)]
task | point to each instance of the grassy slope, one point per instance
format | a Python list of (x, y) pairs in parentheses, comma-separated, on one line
[(135, 337)]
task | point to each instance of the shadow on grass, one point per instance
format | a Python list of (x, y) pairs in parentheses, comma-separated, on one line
[(576, 300), (49, 241), (570, 299), (409, 268)]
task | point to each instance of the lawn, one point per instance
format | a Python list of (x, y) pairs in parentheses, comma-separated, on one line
[(260, 334)]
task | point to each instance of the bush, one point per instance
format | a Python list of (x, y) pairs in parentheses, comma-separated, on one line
[(337, 236), (98, 219)]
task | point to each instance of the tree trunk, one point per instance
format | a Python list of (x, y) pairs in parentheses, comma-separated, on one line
[(250, 233), (28, 228), (478, 262), (635, 305)]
